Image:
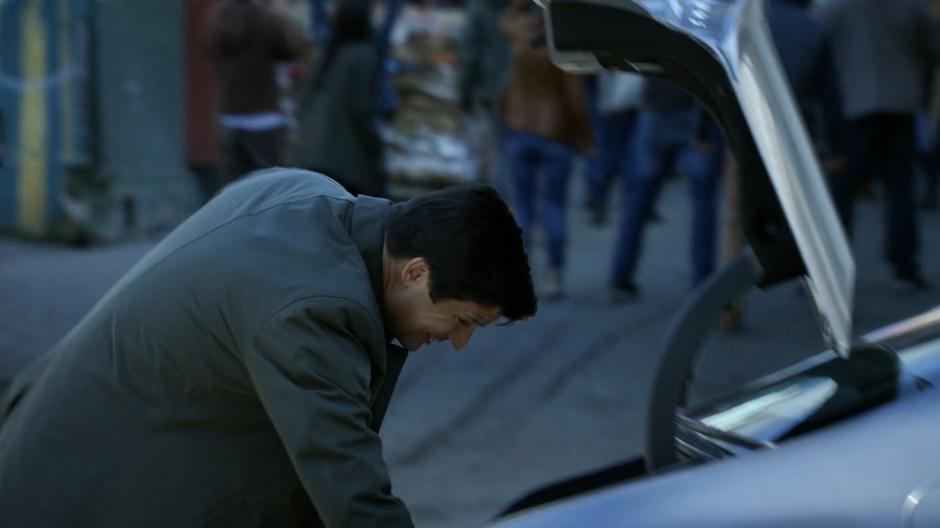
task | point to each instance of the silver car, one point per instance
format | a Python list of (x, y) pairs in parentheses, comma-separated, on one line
[(845, 438)]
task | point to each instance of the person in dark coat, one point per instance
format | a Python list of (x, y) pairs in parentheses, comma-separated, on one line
[(246, 41), (238, 374), (883, 55), (339, 107)]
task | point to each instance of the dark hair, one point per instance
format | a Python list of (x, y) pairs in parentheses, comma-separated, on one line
[(472, 244), (351, 23)]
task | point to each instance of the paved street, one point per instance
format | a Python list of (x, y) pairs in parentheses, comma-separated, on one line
[(565, 392)]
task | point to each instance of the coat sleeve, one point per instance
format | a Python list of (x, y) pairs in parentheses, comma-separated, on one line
[(312, 374)]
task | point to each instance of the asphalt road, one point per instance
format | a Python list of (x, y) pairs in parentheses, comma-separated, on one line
[(561, 393)]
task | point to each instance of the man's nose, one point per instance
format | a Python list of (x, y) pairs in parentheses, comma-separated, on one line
[(461, 336)]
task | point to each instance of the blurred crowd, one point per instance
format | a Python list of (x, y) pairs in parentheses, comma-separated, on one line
[(862, 76)]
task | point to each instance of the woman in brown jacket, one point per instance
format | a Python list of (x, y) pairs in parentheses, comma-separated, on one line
[(545, 111)]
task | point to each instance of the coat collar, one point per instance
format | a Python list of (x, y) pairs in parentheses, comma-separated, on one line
[(368, 233)]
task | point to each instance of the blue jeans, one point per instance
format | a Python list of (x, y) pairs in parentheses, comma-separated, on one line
[(614, 155), (534, 159), (662, 139)]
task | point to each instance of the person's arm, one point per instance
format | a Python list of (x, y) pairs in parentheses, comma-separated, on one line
[(312, 374), (577, 101)]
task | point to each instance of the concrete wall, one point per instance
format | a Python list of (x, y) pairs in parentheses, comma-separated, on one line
[(139, 71)]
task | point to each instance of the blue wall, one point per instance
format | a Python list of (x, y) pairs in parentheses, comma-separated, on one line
[(44, 66)]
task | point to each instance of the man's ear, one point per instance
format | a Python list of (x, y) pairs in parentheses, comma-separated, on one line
[(414, 270)]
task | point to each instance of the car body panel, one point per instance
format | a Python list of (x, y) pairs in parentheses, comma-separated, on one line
[(812, 482), (768, 407)]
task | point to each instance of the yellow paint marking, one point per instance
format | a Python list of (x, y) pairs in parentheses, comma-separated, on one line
[(65, 65), (32, 125)]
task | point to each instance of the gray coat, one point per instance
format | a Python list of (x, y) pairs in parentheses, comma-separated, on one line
[(236, 376), (884, 51), (338, 134)]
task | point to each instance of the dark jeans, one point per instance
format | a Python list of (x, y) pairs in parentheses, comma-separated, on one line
[(882, 146), (533, 160), (662, 139), (614, 155), (242, 151), (928, 158)]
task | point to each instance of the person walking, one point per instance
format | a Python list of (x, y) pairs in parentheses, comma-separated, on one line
[(618, 101), (238, 374), (246, 41), (339, 107), (883, 56), (672, 130), (545, 110)]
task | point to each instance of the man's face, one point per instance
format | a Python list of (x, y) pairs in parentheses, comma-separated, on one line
[(416, 320)]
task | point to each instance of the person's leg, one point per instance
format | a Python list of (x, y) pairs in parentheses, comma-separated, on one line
[(844, 183), (650, 152), (612, 152), (522, 171), (207, 179), (896, 167), (931, 170), (702, 168), (554, 168), (626, 150), (265, 149), (596, 120), (599, 164), (624, 153), (675, 130), (233, 162)]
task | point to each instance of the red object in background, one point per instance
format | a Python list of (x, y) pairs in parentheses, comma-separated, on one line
[(200, 81)]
